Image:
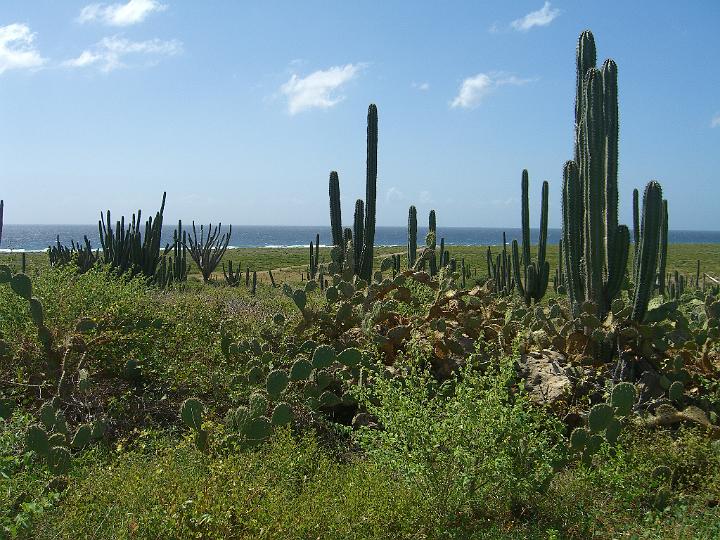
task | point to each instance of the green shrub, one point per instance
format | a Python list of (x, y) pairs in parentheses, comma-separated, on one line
[(470, 444)]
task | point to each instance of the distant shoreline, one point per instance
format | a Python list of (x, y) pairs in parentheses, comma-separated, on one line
[(37, 238)]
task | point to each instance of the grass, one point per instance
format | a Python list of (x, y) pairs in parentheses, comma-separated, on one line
[(483, 463), (287, 264)]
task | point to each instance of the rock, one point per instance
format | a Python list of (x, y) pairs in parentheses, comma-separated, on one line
[(363, 419), (545, 378)]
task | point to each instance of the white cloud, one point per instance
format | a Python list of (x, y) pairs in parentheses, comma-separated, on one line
[(319, 89), (133, 12), (394, 194), (542, 17), (421, 86), (426, 197), (474, 89), (16, 48), (715, 122), (108, 54)]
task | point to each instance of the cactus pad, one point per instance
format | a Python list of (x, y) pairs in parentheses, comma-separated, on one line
[(258, 404), (300, 299), (282, 414), (257, 429), (300, 370), (676, 390), (58, 460), (277, 381), (82, 437), (623, 398), (191, 412), (36, 311), (579, 438), (36, 439), (22, 286), (323, 357), (599, 417), (350, 357), (613, 430)]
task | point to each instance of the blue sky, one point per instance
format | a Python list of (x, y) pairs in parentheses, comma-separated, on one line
[(241, 109)]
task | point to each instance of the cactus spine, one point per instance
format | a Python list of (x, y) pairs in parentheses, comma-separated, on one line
[(536, 274), (412, 237), (366, 264)]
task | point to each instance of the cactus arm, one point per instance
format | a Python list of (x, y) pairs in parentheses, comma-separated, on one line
[(370, 193), (358, 234), (617, 263), (335, 212), (610, 117), (572, 234), (525, 219), (662, 262), (585, 58), (412, 236), (592, 173), (648, 253), (522, 289)]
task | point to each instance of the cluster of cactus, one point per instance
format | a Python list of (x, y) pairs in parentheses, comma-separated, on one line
[(81, 254), (191, 414), (595, 246), (51, 440), (316, 379), (128, 249), (363, 232), (676, 286), (604, 422), (173, 267), (535, 274), (234, 278), (207, 251), (500, 270)]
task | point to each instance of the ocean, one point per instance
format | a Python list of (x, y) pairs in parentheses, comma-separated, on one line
[(39, 237)]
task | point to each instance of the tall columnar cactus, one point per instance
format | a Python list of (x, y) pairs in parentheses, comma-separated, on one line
[(431, 241), (662, 262), (335, 214), (2, 207), (412, 237), (366, 265), (591, 232), (358, 235), (536, 274), (649, 249)]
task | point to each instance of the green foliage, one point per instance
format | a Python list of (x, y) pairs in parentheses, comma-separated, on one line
[(470, 445)]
